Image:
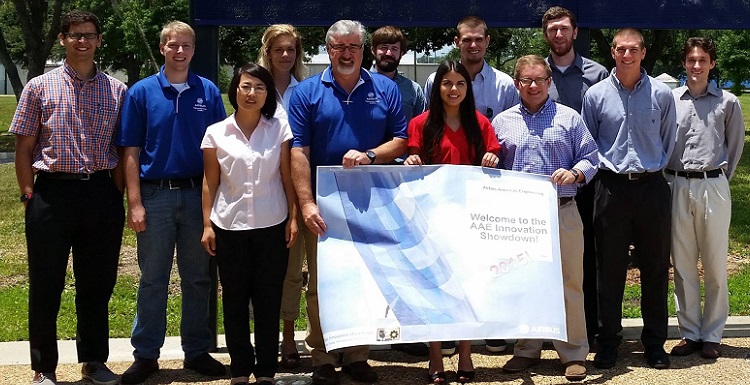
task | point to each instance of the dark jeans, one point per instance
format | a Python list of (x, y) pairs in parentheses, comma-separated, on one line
[(585, 203), (637, 211), (86, 216), (252, 265)]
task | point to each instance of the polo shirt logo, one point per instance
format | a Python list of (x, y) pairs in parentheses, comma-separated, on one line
[(371, 98), (199, 106)]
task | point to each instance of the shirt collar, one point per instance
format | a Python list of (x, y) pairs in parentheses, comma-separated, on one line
[(616, 82), (74, 74), (577, 62), (327, 76), (544, 107), (712, 90), (164, 82), (486, 71)]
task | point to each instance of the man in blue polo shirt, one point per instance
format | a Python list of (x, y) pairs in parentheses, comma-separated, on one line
[(344, 116), (164, 118)]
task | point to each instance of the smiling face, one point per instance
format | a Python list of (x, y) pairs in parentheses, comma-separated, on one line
[(533, 95), (560, 35), (453, 89), (81, 49), (697, 65), (472, 43), (628, 53), (283, 53), (345, 53), (178, 51), (251, 94)]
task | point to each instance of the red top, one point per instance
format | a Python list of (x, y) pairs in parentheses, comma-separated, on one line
[(453, 147)]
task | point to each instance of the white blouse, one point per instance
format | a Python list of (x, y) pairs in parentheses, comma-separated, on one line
[(250, 193)]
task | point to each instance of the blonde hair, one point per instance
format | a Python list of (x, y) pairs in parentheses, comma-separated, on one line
[(177, 27), (528, 61), (299, 70)]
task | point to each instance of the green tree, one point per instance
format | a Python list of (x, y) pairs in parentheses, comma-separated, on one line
[(734, 58), (35, 23)]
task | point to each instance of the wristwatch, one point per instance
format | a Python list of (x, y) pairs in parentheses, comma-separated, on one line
[(575, 174), (26, 197), (370, 155)]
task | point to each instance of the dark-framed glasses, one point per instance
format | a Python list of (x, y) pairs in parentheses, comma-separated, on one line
[(85, 35), (528, 81)]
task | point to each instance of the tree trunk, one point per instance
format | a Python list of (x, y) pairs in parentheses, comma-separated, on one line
[(133, 70), (10, 68)]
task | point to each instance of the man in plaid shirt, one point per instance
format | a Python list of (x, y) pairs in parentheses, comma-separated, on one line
[(65, 126)]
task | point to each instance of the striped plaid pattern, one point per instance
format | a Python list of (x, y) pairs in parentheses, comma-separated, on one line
[(74, 120)]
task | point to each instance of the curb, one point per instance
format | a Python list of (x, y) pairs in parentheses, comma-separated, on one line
[(17, 352)]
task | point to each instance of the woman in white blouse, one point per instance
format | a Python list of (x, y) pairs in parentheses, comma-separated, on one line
[(249, 219), (281, 53)]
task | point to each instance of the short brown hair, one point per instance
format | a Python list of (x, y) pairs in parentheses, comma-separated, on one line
[(557, 13), (389, 35), (530, 60), (628, 32), (471, 22), (704, 43)]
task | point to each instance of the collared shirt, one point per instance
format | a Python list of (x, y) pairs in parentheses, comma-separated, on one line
[(413, 101), (568, 87), (168, 125), (282, 101), (710, 131), (552, 138), (494, 91), (250, 193), (331, 122), (635, 130), (73, 120)]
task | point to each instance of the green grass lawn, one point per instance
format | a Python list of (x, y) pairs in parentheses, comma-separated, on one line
[(14, 284)]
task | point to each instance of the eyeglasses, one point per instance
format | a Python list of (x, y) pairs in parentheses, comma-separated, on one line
[(527, 82), (339, 48), (77, 36), (246, 88)]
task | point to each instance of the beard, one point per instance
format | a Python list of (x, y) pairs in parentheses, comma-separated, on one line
[(386, 64), (346, 69), (561, 50)]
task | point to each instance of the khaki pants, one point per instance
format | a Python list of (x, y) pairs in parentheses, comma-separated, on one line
[(314, 338), (293, 278), (571, 255)]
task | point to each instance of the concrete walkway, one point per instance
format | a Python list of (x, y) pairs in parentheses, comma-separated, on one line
[(17, 352)]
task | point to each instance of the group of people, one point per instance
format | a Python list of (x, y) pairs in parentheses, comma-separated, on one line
[(635, 164)]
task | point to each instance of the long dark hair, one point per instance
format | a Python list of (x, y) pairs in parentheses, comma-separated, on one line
[(255, 70), (433, 127)]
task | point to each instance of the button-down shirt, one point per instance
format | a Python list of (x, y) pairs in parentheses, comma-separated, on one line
[(250, 193), (413, 101), (494, 91), (74, 120), (710, 131), (552, 138), (568, 87), (635, 130)]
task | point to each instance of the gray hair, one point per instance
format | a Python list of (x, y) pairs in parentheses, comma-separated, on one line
[(346, 28)]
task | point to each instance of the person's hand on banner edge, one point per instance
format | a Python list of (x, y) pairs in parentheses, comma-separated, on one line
[(490, 160), (313, 220), (563, 176)]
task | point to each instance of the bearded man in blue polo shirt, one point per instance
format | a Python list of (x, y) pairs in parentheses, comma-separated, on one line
[(164, 118), (344, 116)]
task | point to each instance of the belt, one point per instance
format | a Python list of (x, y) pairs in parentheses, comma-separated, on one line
[(564, 200), (630, 175), (71, 176), (174, 184), (697, 174)]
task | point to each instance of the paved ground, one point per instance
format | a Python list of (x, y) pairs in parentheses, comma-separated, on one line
[(397, 368)]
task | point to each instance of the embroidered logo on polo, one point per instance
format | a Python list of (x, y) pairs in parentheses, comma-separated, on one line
[(199, 105), (371, 98)]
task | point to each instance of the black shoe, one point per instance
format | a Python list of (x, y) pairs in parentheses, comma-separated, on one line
[(495, 346), (448, 348), (205, 365), (606, 358), (360, 371), (416, 349), (325, 375), (656, 357), (139, 371)]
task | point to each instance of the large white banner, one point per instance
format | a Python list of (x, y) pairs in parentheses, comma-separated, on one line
[(431, 253)]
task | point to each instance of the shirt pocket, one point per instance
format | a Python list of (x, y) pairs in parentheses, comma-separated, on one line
[(648, 124)]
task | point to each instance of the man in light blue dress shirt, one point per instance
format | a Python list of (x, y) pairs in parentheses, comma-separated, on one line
[(632, 118)]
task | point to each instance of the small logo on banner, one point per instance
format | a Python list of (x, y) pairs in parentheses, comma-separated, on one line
[(385, 334)]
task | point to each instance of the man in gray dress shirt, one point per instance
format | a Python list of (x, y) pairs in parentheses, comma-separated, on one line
[(710, 138), (494, 91), (572, 75), (632, 118)]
